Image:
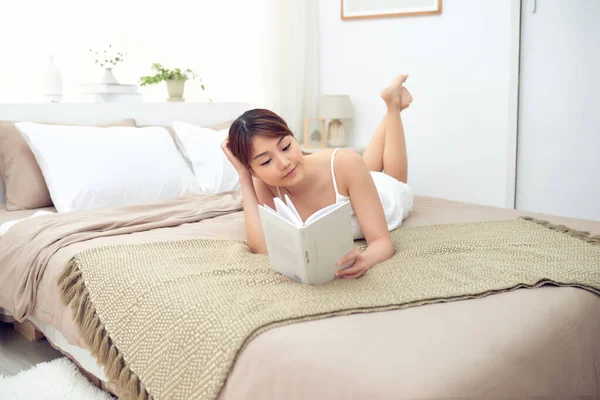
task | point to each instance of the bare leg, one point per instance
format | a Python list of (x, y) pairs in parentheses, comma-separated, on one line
[(373, 155), (387, 149)]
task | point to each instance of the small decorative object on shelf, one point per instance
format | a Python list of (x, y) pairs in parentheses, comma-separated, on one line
[(175, 80), (109, 93), (335, 108), (314, 132), (53, 85), (107, 59)]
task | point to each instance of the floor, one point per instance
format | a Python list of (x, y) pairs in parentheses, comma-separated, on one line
[(18, 354)]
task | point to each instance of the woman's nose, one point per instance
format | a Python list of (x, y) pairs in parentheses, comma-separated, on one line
[(283, 162)]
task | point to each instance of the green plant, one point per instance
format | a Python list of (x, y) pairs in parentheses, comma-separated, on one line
[(164, 74)]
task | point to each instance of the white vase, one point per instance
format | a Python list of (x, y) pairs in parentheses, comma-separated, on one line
[(109, 78), (53, 84)]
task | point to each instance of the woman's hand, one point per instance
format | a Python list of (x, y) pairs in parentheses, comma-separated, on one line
[(241, 169), (360, 266)]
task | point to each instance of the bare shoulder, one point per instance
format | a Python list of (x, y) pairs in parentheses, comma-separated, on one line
[(343, 156), (348, 166), (320, 155), (348, 157)]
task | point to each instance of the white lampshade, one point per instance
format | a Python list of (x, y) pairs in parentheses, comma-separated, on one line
[(335, 107)]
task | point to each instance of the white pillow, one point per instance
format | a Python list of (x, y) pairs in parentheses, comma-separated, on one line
[(202, 149), (90, 167)]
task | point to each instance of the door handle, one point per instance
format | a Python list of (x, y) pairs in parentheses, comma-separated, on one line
[(533, 6)]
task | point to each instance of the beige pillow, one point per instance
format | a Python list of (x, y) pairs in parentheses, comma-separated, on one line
[(25, 185)]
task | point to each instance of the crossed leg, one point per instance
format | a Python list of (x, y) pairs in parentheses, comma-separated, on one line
[(387, 149)]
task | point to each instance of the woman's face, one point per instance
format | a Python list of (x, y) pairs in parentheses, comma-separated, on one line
[(277, 161)]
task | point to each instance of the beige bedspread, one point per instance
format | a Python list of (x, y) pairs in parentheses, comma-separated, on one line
[(219, 295), (27, 248), (524, 343)]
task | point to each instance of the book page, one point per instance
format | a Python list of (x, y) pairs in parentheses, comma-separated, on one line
[(268, 208), (265, 208), (292, 207), (284, 211), (322, 212)]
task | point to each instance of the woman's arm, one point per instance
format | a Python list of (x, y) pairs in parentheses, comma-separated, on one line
[(354, 176), (254, 230), (250, 200)]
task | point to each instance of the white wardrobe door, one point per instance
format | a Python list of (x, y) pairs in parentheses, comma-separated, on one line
[(558, 157)]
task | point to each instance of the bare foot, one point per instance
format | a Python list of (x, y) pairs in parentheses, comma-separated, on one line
[(396, 94), (405, 99), (399, 80)]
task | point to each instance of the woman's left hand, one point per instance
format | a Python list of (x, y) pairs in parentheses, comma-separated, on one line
[(357, 269)]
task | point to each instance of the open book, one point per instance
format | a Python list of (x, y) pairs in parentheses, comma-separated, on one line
[(307, 251)]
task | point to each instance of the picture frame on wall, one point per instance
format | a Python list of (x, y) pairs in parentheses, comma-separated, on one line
[(315, 133), (361, 9)]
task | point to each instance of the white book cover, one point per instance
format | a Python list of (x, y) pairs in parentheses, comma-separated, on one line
[(307, 251)]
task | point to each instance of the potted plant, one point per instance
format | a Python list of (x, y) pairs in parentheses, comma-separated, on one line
[(174, 78)]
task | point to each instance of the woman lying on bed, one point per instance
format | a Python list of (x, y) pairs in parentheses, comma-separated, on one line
[(270, 163)]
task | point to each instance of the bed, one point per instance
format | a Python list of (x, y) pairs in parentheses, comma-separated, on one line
[(542, 342), (521, 343)]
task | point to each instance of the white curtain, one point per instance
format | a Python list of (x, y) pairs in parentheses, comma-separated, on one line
[(292, 75), (262, 51)]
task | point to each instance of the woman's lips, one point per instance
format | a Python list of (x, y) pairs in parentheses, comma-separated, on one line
[(290, 173)]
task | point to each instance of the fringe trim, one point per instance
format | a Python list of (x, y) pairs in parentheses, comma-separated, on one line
[(582, 235), (73, 291), (128, 385)]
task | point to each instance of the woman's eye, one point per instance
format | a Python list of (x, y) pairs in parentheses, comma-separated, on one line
[(286, 147), (266, 162)]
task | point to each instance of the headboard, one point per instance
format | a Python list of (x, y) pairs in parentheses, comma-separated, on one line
[(143, 113)]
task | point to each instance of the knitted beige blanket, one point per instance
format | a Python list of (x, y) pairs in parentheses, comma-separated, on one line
[(167, 320)]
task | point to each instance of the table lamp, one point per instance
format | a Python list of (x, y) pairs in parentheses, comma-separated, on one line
[(335, 108)]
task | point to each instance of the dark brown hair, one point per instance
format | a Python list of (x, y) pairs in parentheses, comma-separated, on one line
[(256, 122)]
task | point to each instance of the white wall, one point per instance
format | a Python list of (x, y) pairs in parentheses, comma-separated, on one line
[(224, 41), (457, 129)]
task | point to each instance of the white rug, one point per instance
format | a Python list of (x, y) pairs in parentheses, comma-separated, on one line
[(57, 379)]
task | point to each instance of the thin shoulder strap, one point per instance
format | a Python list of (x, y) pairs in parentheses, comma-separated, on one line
[(333, 172), (279, 193)]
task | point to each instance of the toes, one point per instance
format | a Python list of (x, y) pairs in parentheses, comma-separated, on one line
[(400, 79)]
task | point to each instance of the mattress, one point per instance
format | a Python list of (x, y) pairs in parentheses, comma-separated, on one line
[(540, 342), (54, 336)]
